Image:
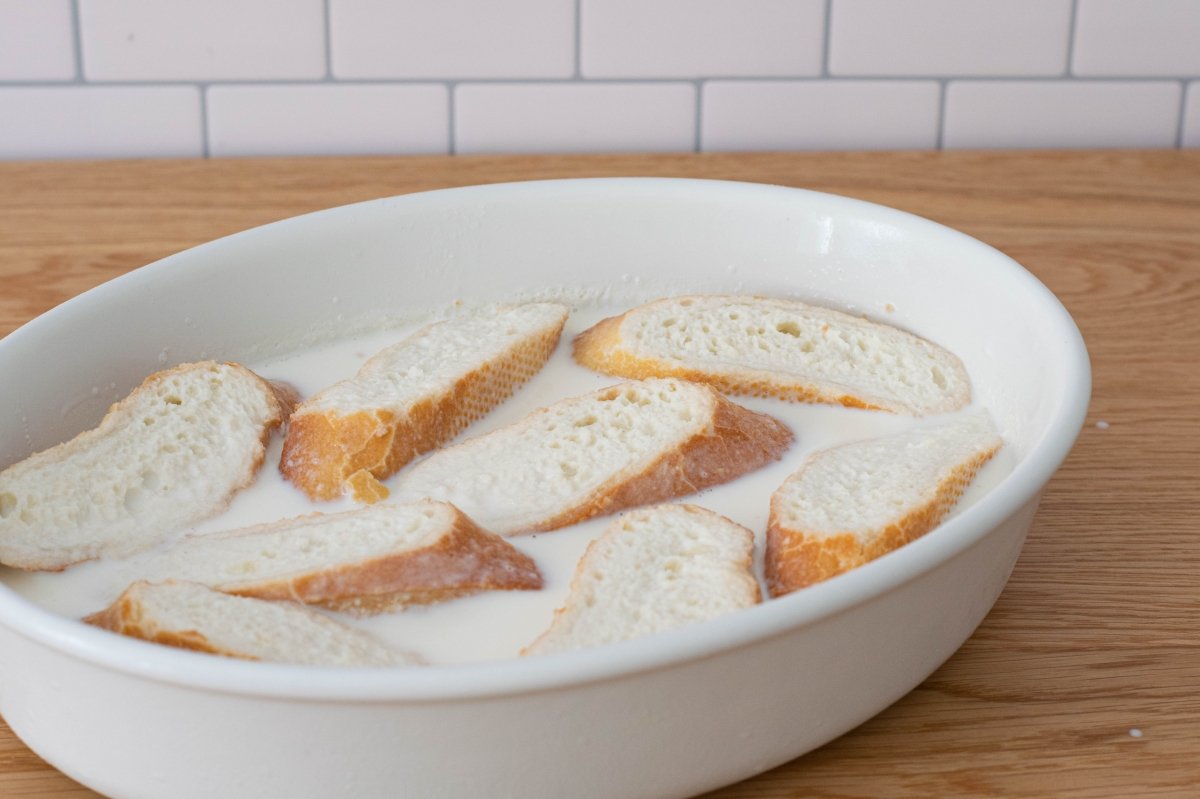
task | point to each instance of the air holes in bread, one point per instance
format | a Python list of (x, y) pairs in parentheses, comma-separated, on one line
[(8, 504)]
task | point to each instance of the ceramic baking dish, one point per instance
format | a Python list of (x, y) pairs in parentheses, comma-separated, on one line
[(670, 715)]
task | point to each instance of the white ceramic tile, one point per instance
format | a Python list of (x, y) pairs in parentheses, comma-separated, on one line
[(949, 37), (1137, 38), (452, 38), (1191, 116), (819, 115), (36, 40), (694, 38), (210, 40), (100, 122), (328, 119), (574, 117), (1061, 114)]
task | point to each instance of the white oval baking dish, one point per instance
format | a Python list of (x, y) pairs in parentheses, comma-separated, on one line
[(671, 715)]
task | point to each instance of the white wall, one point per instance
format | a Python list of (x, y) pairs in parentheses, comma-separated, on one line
[(130, 78)]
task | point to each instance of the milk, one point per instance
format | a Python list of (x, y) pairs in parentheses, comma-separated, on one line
[(494, 624)]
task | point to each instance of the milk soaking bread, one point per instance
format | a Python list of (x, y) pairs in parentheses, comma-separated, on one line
[(413, 397), (364, 561), (654, 569), (170, 454), (778, 348), (191, 616), (627, 445), (850, 504)]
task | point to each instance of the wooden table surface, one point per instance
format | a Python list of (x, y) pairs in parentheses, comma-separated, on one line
[(1084, 681)]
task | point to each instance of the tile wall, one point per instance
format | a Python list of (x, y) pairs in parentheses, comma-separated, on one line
[(134, 78)]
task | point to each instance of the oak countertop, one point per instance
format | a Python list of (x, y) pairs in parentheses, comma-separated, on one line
[(1084, 680)]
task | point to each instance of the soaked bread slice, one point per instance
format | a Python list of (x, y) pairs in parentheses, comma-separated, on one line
[(191, 616), (170, 454), (778, 348), (654, 569), (414, 396), (851, 504), (364, 561), (632, 444)]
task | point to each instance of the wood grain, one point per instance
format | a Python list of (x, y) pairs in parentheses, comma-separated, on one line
[(1097, 632)]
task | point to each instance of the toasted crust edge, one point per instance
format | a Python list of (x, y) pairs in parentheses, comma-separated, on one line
[(325, 453), (796, 559)]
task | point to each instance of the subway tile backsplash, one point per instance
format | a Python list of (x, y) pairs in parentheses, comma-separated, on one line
[(952, 38), (327, 119), (574, 117), (820, 115), (212, 40), (1062, 114), (147, 78), (36, 40), (452, 39), (700, 38)]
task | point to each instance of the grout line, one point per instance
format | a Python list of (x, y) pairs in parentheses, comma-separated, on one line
[(699, 123), (1183, 96), (328, 43), (578, 40), (205, 148), (629, 81), (943, 87), (825, 37), (1071, 38), (451, 119), (77, 41)]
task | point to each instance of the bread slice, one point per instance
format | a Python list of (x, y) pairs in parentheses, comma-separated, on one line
[(191, 616), (778, 348), (626, 445), (363, 561), (654, 569), (850, 504), (170, 454), (413, 397)]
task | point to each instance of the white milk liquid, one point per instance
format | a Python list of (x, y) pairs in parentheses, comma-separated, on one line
[(494, 624)]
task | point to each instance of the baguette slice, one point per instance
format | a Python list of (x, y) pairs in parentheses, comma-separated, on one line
[(170, 454), (626, 445), (191, 616), (362, 561), (850, 504), (654, 569), (778, 348), (414, 396)]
